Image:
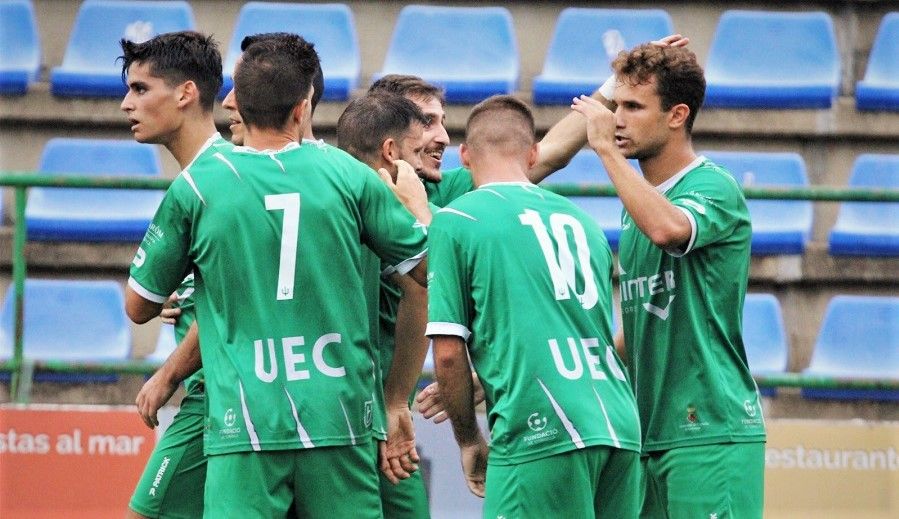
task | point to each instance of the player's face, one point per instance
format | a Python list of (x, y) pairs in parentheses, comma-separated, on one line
[(151, 105), (235, 121), (434, 136), (641, 129), (412, 146)]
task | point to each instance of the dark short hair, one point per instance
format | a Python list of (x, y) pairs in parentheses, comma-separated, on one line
[(373, 118), (408, 86), (318, 81), (679, 77), (273, 76), (500, 121), (177, 57)]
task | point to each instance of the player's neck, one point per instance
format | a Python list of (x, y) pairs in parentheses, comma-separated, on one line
[(268, 139), (190, 138), (673, 158), (497, 169)]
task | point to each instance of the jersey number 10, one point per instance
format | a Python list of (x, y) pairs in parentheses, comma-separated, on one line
[(562, 267)]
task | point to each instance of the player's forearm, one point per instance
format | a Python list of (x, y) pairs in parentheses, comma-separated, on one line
[(562, 142), (411, 345), (139, 309), (185, 360), (663, 223), (454, 376)]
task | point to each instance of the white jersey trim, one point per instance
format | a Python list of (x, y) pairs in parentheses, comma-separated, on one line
[(609, 426), (677, 252), (144, 293), (251, 429), (301, 431), (441, 328), (348, 424), (569, 427), (406, 265), (668, 184)]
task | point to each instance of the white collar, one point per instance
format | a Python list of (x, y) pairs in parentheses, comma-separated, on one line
[(668, 184), (212, 138), (512, 183)]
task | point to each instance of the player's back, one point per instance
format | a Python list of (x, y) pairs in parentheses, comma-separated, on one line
[(277, 241), (539, 311)]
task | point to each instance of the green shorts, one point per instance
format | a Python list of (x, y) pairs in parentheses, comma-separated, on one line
[(323, 482), (408, 499), (593, 482), (172, 483), (723, 481)]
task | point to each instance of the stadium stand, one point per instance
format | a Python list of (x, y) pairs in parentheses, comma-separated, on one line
[(585, 167), (765, 337), (869, 228), (859, 339), (89, 68), (764, 59), (778, 226), (165, 344), (330, 27), (20, 47), (96, 328), (476, 46), (879, 90), (582, 37), (451, 158), (93, 214)]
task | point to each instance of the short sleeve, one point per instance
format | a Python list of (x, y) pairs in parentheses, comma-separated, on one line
[(162, 259), (449, 305), (388, 228), (715, 206)]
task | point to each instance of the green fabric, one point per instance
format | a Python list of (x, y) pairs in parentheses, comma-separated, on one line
[(286, 342), (682, 313), (528, 275), (721, 480), (172, 483)]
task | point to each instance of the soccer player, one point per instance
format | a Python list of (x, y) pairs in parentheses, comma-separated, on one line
[(274, 229), (172, 83), (683, 267), (524, 277), (382, 129)]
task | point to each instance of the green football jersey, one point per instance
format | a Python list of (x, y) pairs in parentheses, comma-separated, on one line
[(682, 313), (188, 315), (275, 240), (453, 184), (524, 276)]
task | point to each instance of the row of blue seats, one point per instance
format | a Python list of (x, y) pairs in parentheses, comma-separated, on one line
[(859, 336), (757, 59), (779, 227)]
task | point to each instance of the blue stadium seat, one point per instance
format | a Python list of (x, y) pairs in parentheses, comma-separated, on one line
[(778, 226), (451, 158), (869, 228), (859, 339), (20, 47), (329, 26), (773, 60), (879, 90), (585, 43), (90, 67), (165, 344), (764, 337), (93, 214), (586, 168), (469, 51), (69, 320)]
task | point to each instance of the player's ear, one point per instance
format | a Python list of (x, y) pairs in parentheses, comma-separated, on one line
[(533, 155), (677, 116), (464, 154), (187, 93), (301, 112), (389, 150)]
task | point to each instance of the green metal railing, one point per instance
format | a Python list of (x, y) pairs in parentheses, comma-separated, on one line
[(22, 369)]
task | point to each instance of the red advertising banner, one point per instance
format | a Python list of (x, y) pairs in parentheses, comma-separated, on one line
[(70, 461)]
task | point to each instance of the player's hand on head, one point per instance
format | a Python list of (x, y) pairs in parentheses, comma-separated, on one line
[(170, 312), (474, 466), (407, 187), (600, 122), (672, 40)]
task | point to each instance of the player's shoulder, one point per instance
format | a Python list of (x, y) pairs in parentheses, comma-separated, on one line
[(712, 175)]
